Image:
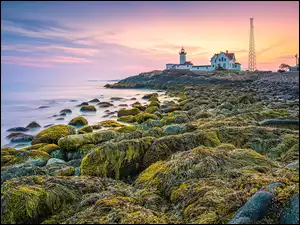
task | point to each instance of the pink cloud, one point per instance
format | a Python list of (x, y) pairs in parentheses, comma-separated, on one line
[(42, 61)]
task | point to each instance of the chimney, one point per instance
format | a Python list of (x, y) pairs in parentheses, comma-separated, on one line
[(226, 51)]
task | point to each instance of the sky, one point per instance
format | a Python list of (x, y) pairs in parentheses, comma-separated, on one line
[(112, 40)]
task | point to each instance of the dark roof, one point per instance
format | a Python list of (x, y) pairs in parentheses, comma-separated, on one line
[(237, 63), (228, 55)]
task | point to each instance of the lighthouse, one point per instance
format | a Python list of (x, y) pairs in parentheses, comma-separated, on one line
[(182, 55)]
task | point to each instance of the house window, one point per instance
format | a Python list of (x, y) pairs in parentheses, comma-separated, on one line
[(224, 59), (224, 65)]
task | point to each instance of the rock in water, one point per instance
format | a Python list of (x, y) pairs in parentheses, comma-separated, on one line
[(88, 108), (33, 125), (55, 161), (78, 121), (18, 129), (67, 111), (95, 100), (52, 134)]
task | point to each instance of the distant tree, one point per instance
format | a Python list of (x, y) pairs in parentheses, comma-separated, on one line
[(284, 66)]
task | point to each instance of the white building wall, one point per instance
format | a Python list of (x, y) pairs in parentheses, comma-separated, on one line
[(201, 68)]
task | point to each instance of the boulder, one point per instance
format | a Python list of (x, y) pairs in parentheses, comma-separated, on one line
[(78, 121), (33, 125), (148, 96), (173, 129), (88, 108), (73, 142), (128, 112), (119, 160), (18, 129), (82, 104), (104, 104), (256, 208), (85, 129), (127, 119), (52, 134), (110, 123), (290, 215), (66, 111), (55, 161), (22, 138), (95, 100), (116, 98)]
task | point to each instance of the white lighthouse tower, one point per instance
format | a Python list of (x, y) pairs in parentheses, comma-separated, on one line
[(182, 55)]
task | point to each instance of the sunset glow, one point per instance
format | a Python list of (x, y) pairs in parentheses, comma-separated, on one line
[(119, 39)]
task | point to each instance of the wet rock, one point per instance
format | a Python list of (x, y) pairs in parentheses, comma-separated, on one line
[(62, 114), (18, 129), (48, 125), (78, 121), (290, 215), (88, 108), (22, 138), (116, 98), (104, 104), (128, 112), (73, 100), (82, 104), (279, 122), (66, 111), (52, 134), (59, 119), (124, 105), (133, 99), (173, 129), (55, 161), (95, 100), (255, 209), (33, 125), (43, 107)]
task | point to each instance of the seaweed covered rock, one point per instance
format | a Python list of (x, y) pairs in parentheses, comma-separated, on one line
[(78, 121), (118, 160), (143, 116), (52, 134), (128, 112), (73, 142), (164, 147), (110, 123), (173, 129), (148, 96), (88, 108), (151, 109), (127, 119), (85, 129)]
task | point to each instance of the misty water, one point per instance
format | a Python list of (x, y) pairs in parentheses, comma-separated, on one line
[(20, 103)]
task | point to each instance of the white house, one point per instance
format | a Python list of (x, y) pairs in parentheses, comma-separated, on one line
[(223, 59)]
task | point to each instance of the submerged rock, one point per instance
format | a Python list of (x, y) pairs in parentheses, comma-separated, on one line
[(44, 107), (82, 104), (104, 104)]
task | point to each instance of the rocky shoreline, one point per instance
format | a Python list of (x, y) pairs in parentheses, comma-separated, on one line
[(226, 152)]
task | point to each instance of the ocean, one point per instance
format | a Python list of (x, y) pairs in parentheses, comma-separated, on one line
[(20, 103)]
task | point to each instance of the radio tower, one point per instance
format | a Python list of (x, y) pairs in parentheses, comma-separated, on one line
[(252, 58)]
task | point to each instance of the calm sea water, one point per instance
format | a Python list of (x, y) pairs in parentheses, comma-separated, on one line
[(20, 103)]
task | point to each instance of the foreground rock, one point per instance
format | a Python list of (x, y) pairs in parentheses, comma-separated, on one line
[(88, 108), (78, 121), (53, 134)]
